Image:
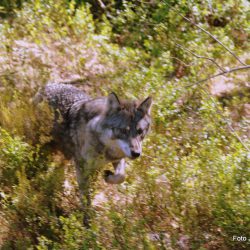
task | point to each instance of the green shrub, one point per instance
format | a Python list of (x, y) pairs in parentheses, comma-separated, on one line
[(190, 189)]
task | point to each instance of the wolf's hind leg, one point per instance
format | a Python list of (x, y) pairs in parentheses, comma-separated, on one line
[(84, 181), (119, 175)]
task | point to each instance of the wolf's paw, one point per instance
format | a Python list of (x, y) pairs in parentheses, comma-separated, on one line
[(107, 173), (112, 178)]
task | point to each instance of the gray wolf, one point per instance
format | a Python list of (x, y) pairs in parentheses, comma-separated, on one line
[(96, 131)]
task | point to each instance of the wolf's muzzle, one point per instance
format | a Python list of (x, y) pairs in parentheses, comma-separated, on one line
[(135, 154)]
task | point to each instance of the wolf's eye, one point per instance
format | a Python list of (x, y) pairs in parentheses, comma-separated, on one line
[(139, 131), (121, 132)]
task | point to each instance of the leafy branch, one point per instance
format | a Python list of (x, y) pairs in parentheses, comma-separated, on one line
[(202, 57), (205, 31), (224, 71)]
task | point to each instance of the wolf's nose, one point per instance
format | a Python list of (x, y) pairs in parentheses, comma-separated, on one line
[(135, 154)]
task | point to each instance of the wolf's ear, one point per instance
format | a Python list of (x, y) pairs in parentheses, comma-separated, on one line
[(113, 101), (146, 105)]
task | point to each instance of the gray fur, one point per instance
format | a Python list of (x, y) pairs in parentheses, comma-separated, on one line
[(96, 131)]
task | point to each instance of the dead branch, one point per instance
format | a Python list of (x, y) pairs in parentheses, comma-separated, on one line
[(220, 74)]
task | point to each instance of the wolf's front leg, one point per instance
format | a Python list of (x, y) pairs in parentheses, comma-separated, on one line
[(119, 175)]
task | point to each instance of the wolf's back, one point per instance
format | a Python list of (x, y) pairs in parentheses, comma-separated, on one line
[(63, 96)]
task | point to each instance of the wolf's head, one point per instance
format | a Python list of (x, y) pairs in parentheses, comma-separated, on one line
[(125, 124)]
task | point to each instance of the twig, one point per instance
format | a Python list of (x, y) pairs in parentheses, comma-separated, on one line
[(220, 74), (202, 57), (208, 33), (185, 64)]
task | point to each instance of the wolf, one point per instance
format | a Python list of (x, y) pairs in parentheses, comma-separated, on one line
[(96, 131)]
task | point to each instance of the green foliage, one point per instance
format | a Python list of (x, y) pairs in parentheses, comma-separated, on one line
[(8, 6), (190, 189)]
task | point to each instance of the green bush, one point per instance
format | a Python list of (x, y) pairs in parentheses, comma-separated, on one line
[(190, 189)]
